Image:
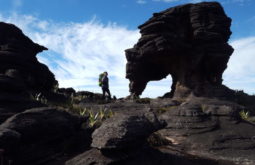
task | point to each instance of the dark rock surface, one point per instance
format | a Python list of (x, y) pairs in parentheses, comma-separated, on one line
[(38, 135), (189, 42), (93, 156), (20, 72), (18, 54), (120, 137), (210, 128), (197, 131), (66, 91), (125, 131)]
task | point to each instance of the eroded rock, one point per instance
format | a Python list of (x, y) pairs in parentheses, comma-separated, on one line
[(189, 42), (210, 128), (20, 72), (125, 131)]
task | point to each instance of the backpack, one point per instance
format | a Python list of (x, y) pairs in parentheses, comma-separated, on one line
[(100, 83)]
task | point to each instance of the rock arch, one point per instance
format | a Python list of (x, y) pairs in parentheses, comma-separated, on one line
[(189, 42)]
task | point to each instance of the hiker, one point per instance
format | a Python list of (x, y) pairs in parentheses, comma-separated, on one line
[(104, 83)]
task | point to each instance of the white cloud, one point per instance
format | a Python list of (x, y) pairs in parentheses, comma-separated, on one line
[(240, 73), (79, 52), (141, 1)]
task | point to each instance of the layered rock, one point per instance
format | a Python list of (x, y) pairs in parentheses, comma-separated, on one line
[(20, 72), (189, 42), (18, 52), (209, 128)]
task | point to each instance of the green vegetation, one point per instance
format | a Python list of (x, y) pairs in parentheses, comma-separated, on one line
[(39, 97), (96, 118), (203, 107), (245, 115)]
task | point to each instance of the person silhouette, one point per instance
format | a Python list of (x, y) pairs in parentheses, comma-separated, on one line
[(105, 85)]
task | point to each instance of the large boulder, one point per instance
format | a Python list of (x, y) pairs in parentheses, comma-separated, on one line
[(38, 135), (119, 138), (125, 131), (189, 42)]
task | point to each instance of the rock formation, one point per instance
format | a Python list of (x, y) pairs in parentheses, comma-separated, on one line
[(119, 138), (189, 42), (18, 59), (20, 72)]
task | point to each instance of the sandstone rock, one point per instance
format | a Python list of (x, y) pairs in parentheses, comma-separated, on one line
[(18, 52), (210, 128), (38, 134), (21, 74), (14, 97), (189, 42), (125, 131)]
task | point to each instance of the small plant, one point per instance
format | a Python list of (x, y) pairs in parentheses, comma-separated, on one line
[(83, 112), (203, 107), (39, 97), (244, 115), (95, 119)]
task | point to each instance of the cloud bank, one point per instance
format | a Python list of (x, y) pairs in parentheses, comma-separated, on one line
[(240, 73)]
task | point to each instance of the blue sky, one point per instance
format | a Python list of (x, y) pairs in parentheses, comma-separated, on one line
[(86, 37)]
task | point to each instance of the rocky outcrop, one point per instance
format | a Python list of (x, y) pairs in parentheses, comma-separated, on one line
[(209, 128), (18, 55), (20, 72), (119, 138), (40, 134), (189, 42), (192, 131)]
